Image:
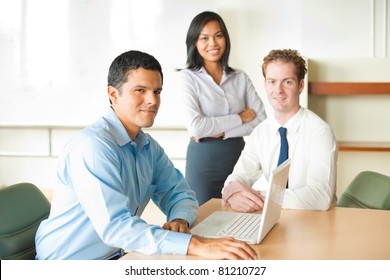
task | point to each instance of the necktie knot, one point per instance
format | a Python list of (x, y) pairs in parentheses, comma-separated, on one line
[(282, 131)]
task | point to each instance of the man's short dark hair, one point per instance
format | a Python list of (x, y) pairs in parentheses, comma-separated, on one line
[(131, 60)]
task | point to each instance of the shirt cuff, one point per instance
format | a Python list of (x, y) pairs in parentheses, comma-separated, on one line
[(176, 243)]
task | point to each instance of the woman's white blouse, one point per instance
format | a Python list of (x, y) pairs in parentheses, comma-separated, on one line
[(212, 109)]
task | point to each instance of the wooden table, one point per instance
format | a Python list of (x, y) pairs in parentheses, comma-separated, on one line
[(337, 234)]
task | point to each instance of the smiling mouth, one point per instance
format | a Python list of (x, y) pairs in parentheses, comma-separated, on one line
[(213, 51), (149, 111)]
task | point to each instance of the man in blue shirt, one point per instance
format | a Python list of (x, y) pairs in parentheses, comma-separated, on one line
[(109, 172)]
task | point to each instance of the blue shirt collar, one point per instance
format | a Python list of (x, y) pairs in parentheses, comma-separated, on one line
[(119, 132)]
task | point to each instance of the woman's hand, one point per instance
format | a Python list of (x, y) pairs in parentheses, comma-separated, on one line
[(247, 115)]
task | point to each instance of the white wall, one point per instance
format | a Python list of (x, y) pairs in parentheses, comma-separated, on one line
[(55, 56)]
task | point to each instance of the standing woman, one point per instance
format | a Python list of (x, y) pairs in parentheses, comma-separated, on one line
[(221, 103)]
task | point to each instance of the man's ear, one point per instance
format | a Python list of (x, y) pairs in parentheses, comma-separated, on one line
[(113, 94), (301, 86)]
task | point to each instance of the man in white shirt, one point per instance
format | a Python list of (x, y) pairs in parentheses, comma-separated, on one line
[(311, 145)]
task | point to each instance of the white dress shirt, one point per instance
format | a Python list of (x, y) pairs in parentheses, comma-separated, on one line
[(213, 109), (313, 153)]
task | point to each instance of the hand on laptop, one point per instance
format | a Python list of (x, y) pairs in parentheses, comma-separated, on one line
[(221, 248), (178, 225), (242, 198)]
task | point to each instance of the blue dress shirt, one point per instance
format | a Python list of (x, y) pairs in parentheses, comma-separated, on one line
[(105, 182)]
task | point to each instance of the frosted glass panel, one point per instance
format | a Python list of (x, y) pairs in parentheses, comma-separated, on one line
[(55, 55)]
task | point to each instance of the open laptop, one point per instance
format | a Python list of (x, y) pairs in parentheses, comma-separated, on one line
[(251, 228)]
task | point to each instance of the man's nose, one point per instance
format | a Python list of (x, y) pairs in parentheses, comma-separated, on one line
[(279, 87), (150, 98)]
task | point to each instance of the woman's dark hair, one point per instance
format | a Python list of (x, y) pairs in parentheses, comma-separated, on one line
[(131, 60), (194, 60)]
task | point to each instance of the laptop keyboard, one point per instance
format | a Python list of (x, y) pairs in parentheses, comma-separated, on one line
[(241, 226)]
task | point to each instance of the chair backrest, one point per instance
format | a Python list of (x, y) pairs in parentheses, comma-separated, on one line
[(22, 208), (367, 190)]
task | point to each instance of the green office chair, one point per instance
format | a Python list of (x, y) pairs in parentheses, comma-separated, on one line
[(367, 190), (22, 208)]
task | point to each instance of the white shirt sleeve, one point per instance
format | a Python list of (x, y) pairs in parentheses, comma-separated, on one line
[(313, 179)]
